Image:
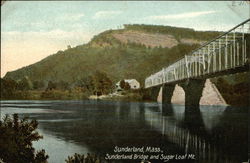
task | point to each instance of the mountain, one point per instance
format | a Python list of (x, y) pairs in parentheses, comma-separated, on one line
[(135, 51)]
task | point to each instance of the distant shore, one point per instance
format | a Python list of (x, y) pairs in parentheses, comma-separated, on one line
[(72, 95), (129, 96)]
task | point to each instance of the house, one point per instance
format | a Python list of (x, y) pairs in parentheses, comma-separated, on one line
[(133, 83)]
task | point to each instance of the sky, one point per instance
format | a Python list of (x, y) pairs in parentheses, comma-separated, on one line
[(33, 30)]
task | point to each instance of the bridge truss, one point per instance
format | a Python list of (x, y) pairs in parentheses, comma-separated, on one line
[(227, 51)]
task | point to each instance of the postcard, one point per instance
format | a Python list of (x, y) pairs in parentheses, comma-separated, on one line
[(125, 82)]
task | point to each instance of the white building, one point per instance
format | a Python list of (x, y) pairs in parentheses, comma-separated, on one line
[(134, 84)]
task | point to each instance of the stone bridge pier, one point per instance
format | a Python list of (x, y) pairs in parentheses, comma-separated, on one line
[(193, 89), (193, 92), (153, 92), (167, 93)]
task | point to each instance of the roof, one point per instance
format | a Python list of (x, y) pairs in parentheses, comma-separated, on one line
[(128, 81)]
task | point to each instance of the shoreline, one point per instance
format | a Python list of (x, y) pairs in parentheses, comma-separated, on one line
[(127, 97)]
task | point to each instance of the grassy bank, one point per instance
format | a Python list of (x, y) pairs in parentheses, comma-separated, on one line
[(47, 95), (130, 95)]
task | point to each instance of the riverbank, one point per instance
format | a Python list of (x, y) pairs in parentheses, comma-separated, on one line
[(121, 96), (130, 95), (232, 99), (47, 95)]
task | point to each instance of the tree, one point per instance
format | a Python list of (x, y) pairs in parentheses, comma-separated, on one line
[(8, 88), (51, 85), (78, 158), (124, 85), (62, 85), (101, 83), (16, 139), (127, 86), (86, 83), (25, 84), (38, 84)]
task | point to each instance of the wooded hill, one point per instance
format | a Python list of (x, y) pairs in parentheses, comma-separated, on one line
[(136, 51), (117, 59)]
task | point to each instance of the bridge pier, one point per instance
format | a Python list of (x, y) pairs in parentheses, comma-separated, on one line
[(193, 91), (167, 93), (154, 92)]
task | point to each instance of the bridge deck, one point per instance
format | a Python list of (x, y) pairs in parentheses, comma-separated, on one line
[(226, 54)]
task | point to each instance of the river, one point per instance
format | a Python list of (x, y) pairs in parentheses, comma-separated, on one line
[(208, 134)]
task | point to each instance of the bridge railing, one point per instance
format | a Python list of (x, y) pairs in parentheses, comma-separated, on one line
[(227, 51)]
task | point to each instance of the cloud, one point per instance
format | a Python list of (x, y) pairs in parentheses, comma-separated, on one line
[(106, 14), (212, 27), (71, 17), (67, 21), (180, 16), (54, 35)]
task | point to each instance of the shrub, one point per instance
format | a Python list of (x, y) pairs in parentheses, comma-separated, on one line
[(77, 158), (16, 139)]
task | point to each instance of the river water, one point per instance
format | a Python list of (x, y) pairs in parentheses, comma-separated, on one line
[(164, 133)]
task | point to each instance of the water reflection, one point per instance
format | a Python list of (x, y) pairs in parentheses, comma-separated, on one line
[(167, 110), (193, 121), (230, 135), (213, 134), (57, 148), (217, 140)]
